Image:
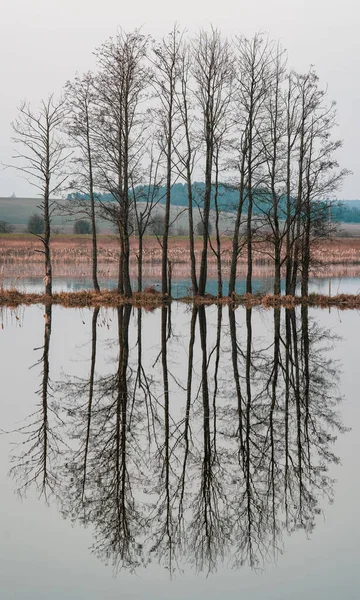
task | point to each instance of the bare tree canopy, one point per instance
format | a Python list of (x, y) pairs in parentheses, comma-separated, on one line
[(42, 158), (154, 114)]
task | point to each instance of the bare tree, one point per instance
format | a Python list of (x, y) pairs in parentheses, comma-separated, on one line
[(157, 224), (254, 59), (36, 457), (307, 103), (292, 103), (42, 160), (146, 198), (213, 74), (322, 177), (187, 151), (274, 148), (121, 87), (166, 78), (218, 144), (81, 127), (6, 227), (315, 169)]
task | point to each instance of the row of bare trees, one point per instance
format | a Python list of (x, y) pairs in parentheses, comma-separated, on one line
[(189, 460), (158, 112)]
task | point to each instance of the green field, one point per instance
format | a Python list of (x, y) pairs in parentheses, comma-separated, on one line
[(16, 212)]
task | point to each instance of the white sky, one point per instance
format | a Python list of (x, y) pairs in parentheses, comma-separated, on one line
[(44, 42)]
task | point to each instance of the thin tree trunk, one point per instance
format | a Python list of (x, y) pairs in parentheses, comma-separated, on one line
[(194, 283), (92, 201), (249, 232), (120, 288), (165, 238), (235, 240), (206, 215), (46, 241), (289, 228), (140, 259), (297, 244), (218, 240), (125, 224), (305, 266), (277, 236)]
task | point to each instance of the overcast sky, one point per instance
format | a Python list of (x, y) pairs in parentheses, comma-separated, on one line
[(44, 42)]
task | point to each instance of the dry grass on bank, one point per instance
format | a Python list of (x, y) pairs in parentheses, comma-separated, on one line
[(71, 258), (69, 248), (149, 300), (341, 301), (83, 299)]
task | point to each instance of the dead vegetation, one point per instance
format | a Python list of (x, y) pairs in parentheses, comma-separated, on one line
[(71, 257), (82, 299), (151, 299)]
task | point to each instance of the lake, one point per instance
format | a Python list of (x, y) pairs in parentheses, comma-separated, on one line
[(182, 286), (179, 453)]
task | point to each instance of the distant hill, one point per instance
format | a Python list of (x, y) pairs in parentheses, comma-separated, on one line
[(16, 211), (227, 197), (347, 211)]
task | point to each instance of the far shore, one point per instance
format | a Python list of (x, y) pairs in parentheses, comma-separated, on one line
[(71, 257)]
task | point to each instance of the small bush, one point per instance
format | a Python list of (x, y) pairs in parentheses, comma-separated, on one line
[(82, 227), (157, 224), (181, 231), (5, 227), (151, 289), (36, 224), (199, 228)]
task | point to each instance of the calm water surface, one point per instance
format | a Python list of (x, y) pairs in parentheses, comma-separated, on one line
[(179, 454), (182, 287)]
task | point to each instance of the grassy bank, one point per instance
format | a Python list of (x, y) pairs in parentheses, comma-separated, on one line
[(151, 299)]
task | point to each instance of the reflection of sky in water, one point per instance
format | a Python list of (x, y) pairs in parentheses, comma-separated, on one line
[(43, 557), (182, 287)]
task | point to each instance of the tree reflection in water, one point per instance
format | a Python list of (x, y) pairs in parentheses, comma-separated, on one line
[(193, 468), (35, 457)]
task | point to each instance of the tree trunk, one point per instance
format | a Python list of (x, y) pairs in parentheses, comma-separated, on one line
[(305, 255), (235, 240), (46, 241), (206, 215), (194, 283), (94, 244), (140, 258), (249, 231), (120, 287), (93, 223), (218, 241), (249, 244), (125, 223)]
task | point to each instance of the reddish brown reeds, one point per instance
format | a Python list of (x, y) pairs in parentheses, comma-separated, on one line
[(83, 299), (71, 256), (152, 299)]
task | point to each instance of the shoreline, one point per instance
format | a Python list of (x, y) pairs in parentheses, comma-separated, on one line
[(151, 300), (19, 259), (70, 250), (71, 257)]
